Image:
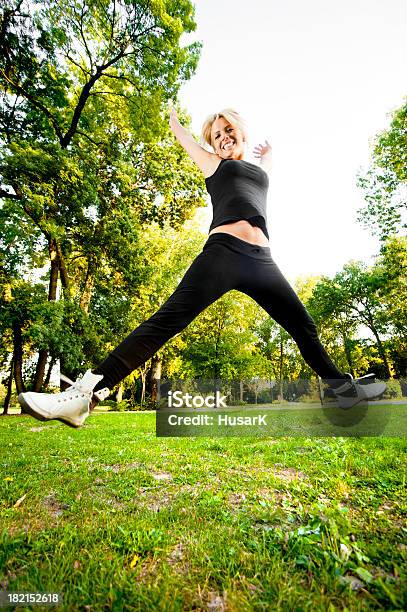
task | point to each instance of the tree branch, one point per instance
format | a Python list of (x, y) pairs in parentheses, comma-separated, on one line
[(122, 78), (113, 20), (35, 102), (97, 144), (100, 71), (62, 270), (111, 93), (85, 72), (9, 120), (6, 194), (83, 36)]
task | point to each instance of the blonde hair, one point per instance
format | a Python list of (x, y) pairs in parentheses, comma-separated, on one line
[(231, 116)]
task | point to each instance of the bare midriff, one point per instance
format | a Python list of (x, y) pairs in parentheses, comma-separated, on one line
[(243, 230)]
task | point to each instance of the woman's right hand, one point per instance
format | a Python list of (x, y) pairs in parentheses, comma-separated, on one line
[(173, 114)]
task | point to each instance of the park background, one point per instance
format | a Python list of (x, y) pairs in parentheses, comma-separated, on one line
[(101, 214)]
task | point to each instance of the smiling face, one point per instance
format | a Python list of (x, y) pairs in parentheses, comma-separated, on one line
[(227, 140)]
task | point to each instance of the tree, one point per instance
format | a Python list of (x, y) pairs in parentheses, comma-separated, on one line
[(82, 86), (353, 297), (391, 267), (166, 253), (337, 325), (385, 183), (281, 351), (221, 342)]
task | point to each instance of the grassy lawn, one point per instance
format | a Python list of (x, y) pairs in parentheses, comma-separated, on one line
[(117, 519)]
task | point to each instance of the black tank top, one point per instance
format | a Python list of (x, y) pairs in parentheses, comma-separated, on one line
[(238, 190)]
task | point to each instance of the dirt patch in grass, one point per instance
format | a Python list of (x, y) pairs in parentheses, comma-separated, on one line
[(161, 476), (133, 465), (378, 572), (278, 470), (10, 576), (384, 508), (12, 530), (113, 468), (236, 500), (288, 474), (104, 497), (176, 559), (216, 602), (118, 467), (274, 495), (147, 570), (352, 581), (160, 503), (155, 499), (54, 507)]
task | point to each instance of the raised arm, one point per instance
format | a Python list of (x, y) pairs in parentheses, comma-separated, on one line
[(264, 153), (205, 160)]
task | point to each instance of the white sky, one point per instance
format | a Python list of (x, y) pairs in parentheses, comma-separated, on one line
[(318, 80)]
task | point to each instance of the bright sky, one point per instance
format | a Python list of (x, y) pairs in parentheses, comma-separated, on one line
[(318, 79)]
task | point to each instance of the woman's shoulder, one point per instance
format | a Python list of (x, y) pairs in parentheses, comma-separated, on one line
[(212, 165)]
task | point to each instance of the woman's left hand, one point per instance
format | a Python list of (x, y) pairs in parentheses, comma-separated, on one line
[(262, 150)]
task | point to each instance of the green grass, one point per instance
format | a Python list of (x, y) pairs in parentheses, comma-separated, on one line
[(304, 420), (117, 519)]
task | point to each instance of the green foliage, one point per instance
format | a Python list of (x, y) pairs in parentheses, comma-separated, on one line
[(393, 390), (220, 342), (391, 268), (281, 352), (384, 183), (312, 393), (355, 298), (83, 138), (94, 184)]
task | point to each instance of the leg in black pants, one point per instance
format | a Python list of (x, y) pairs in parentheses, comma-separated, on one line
[(211, 275), (225, 263), (272, 292)]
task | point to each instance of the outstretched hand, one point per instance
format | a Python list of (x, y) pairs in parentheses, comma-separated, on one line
[(173, 112), (262, 150)]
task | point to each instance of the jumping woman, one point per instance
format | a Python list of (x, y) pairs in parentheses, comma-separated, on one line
[(236, 255)]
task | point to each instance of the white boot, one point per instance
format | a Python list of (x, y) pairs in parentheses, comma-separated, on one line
[(70, 406), (356, 390)]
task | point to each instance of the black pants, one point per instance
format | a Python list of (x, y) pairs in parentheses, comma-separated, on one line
[(225, 263)]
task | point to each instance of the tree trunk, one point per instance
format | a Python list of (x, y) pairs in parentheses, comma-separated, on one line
[(63, 272), (241, 390), (320, 391), (40, 369), (155, 377), (18, 358), (348, 354), (143, 372), (52, 295), (280, 393), (382, 352), (119, 394), (380, 346), (48, 376), (9, 387), (87, 291), (64, 370)]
